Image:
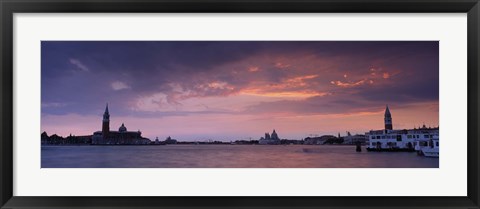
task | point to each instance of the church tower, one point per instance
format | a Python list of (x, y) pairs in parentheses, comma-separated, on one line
[(274, 135), (388, 119), (106, 123)]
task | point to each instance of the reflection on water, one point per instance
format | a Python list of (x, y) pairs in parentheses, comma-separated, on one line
[(227, 156)]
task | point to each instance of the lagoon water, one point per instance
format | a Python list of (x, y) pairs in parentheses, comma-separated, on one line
[(228, 156)]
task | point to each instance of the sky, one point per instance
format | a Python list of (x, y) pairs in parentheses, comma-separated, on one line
[(238, 90)]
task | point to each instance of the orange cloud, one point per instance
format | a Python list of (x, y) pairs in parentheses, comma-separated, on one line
[(297, 81), (281, 65), (287, 88), (386, 75), (253, 69), (373, 75), (290, 94), (350, 84), (215, 85)]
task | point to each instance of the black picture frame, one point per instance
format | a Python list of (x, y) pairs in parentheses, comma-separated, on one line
[(10, 7)]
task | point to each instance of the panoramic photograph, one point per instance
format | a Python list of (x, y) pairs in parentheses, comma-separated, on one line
[(239, 104)]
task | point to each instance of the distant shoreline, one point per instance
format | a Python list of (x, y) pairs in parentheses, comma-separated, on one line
[(194, 144)]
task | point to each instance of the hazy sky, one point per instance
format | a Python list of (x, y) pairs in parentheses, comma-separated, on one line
[(229, 90)]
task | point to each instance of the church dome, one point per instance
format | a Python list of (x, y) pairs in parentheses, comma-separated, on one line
[(122, 128)]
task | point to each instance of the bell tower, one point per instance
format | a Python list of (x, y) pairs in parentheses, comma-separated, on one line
[(106, 123), (388, 119)]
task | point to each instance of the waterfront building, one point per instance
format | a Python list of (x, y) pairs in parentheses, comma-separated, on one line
[(270, 139), (405, 139), (352, 139), (319, 140), (169, 140), (120, 137), (59, 140)]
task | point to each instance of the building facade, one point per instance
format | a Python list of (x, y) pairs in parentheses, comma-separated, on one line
[(270, 139), (353, 139), (120, 137), (405, 139)]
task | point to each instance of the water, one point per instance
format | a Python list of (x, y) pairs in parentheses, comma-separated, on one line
[(228, 156)]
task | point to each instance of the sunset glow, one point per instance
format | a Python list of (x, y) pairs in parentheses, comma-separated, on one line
[(233, 90)]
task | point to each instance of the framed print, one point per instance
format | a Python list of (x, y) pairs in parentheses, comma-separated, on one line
[(271, 87), (263, 104)]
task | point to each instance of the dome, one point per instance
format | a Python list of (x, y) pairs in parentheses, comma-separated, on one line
[(122, 128)]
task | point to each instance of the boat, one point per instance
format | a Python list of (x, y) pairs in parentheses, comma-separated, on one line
[(430, 148), (430, 152), (433, 150)]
